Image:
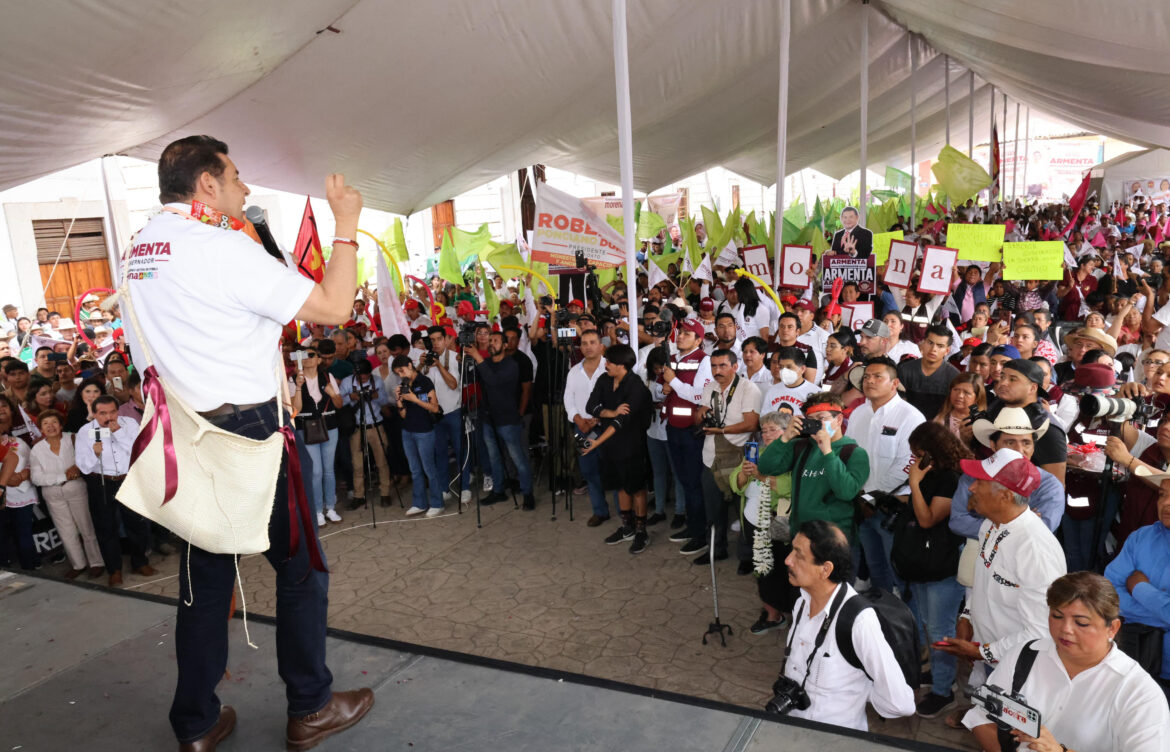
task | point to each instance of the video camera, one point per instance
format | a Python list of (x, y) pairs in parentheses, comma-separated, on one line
[(467, 334), (787, 695), (1118, 409), (1007, 711)]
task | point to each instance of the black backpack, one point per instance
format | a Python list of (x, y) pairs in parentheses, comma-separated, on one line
[(898, 628)]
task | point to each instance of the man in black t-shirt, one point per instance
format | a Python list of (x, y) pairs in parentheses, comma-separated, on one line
[(928, 379), (1020, 385), (503, 427)]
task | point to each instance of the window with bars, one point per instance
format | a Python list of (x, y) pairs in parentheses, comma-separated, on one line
[(86, 239)]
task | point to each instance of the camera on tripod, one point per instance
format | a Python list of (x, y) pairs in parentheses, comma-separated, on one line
[(1007, 711), (467, 335), (1118, 409), (658, 329), (787, 695)]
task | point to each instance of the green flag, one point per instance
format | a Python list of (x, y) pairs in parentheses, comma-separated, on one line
[(468, 244), (796, 214), (650, 224), (790, 233), (490, 300), (448, 262), (898, 180), (883, 194), (504, 255), (818, 242), (394, 239), (690, 241), (713, 225), (959, 176), (666, 259)]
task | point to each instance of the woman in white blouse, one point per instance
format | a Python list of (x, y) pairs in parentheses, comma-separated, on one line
[(56, 473), (1091, 696), (16, 516)]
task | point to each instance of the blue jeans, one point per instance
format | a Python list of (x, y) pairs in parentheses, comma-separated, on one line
[(516, 444), (590, 465), (321, 481), (686, 449), (18, 522), (876, 545), (424, 471), (448, 442), (663, 475), (1078, 536), (937, 610), (302, 602)]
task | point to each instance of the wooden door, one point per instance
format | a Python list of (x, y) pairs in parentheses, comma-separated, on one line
[(442, 217), (70, 281), (73, 253)]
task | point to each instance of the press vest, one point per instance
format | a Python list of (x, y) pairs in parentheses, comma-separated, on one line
[(675, 410)]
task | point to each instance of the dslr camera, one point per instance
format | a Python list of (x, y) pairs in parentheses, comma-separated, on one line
[(1118, 409), (582, 440), (658, 329), (811, 427), (787, 695)]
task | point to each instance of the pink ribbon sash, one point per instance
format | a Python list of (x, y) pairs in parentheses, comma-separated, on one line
[(153, 391), (298, 503)]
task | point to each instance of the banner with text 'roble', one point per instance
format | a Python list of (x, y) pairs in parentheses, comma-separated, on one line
[(565, 225)]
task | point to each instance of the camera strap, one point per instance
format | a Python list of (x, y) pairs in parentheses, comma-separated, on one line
[(821, 633)]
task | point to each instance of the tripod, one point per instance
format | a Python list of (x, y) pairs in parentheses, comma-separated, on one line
[(558, 432), (366, 400)]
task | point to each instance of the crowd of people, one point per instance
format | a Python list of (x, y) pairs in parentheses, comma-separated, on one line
[(944, 451)]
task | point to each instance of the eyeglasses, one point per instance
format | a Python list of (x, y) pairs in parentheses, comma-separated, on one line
[(311, 354), (1152, 362)]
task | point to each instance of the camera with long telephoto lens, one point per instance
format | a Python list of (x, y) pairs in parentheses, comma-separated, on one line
[(1118, 409), (787, 695)]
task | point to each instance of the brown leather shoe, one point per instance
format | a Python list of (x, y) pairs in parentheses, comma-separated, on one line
[(595, 520), (95, 572), (115, 579), (344, 710), (72, 574), (146, 571), (220, 731)]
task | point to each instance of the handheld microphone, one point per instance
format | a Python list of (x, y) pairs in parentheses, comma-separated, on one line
[(256, 216)]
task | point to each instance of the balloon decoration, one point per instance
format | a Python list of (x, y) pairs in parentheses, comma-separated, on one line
[(77, 311)]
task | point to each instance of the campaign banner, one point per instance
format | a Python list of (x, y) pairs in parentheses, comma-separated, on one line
[(1043, 260), (938, 268), (976, 242), (881, 244), (566, 226), (861, 271), (755, 260), (1156, 190), (900, 264), (794, 263)]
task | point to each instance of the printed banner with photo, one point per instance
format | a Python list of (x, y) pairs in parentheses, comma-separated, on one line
[(566, 226), (862, 271), (1157, 190)]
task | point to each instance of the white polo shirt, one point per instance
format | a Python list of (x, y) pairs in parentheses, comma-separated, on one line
[(211, 303)]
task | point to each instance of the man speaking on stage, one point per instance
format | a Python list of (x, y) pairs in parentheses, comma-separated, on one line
[(204, 269)]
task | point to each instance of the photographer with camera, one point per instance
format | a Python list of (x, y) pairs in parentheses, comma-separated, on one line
[(367, 397), (683, 382), (1089, 695), (828, 469), (418, 408), (578, 386), (882, 424), (728, 414), (442, 365), (817, 682), (622, 402)]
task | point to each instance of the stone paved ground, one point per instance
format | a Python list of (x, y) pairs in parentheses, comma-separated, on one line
[(529, 589)]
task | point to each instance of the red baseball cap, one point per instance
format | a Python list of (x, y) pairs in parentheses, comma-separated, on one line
[(972, 342), (694, 327), (464, 308), (410, 304), (805, 304), (578, 303), (707, 304), (1008, 468)]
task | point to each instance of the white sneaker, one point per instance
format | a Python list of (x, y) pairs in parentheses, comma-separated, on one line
[(332, 515), (320, 520), (735, 526), (465, 497), (413, 511), (487, 484), (434, 511)]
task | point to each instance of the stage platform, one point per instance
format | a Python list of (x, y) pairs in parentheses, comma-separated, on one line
[(84, 667)]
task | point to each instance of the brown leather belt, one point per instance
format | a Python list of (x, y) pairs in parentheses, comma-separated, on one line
[(114, 478), (227, 408)]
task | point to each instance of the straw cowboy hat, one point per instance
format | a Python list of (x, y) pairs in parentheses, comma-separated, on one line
[(1013, 420)]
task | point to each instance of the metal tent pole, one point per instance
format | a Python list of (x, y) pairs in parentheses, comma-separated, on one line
[(782, 131), (621, 66)]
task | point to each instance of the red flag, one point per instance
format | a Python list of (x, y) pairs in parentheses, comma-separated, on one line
[(1076, 203), (993, 193), (307, 252)]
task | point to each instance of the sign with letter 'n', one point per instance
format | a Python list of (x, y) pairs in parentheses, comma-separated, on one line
[(938, 266), (794, 263), (755, 260), (900, 264)]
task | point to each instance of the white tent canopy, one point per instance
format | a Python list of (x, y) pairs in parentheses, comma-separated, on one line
[(1117, 176), (417, 102)]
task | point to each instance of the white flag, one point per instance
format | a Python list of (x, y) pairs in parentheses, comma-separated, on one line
[(655, 273), (394, 319), (729, 256), (704, 270)]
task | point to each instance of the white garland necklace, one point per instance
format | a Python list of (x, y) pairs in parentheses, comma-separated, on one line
[(762, 539)]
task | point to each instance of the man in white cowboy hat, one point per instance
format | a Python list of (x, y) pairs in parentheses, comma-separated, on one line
[(1077, 343), (1012, 429), (89, 307), (1020, 384)]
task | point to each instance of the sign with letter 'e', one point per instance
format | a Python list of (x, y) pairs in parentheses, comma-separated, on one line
[(794, 263), (900, 264), (755, 260), (938, 266)]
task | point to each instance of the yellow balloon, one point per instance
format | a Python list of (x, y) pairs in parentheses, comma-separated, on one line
[(389, 257), (767, 287), (538, 275)]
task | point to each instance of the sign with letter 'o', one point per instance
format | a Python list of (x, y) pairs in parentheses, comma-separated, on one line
[(795, 261)]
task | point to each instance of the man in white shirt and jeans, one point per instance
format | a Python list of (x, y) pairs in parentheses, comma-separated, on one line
[(102, 451), (882, 425), (578, 386), (444, 369), (820, 565), (192, 262)]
